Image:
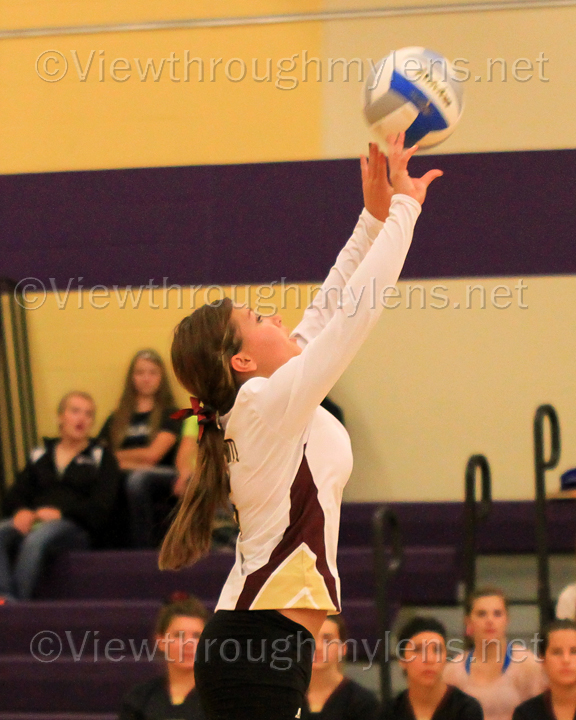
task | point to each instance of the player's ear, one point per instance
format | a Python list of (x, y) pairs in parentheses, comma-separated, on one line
[(243, 363)]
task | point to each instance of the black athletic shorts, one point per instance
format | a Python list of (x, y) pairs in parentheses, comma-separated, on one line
[(253, 664)]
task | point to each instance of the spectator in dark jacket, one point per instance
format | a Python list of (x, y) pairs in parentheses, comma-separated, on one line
[(559, 700), (61, 500), (422, 657), (331, 695), (172, 694)]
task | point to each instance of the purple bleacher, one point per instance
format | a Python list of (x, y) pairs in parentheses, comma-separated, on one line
[(428, 575), (131, 574), (66, 685), (423, 524), (57, 716), (508, 529), (78, 623), (97, 597)]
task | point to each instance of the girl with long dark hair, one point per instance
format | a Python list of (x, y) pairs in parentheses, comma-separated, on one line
[(281, 459), (144, 436)]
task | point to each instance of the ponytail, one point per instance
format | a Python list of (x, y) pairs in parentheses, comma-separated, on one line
[(203, 345)]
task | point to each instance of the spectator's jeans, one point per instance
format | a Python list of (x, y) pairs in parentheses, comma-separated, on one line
[(18, 579), (142, 487)]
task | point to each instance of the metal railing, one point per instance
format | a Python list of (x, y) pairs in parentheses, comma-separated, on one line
[(276, 19), (18, 433), (474, 512), (387, 563), (541, 465)]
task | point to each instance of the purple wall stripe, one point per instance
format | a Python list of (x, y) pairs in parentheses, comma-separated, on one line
[(493, 214)]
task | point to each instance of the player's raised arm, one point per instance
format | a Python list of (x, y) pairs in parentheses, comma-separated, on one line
[(295, 389), (377, 193)]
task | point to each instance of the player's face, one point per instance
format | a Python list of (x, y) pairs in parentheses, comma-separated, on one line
[(179, 643), (560, 658), (329, 650), (265, 341), (424, 659), (488, 619), (146, 377), (77, 418)]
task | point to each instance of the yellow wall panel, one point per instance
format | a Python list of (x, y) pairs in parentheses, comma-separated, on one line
[(18, 14), (429, 388), (433, 386), (498, 115), (76, 345), (114, 118)]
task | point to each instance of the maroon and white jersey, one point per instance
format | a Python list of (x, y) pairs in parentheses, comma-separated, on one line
[(293, 457)]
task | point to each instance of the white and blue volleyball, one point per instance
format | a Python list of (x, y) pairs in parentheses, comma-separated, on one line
[(413, 90)]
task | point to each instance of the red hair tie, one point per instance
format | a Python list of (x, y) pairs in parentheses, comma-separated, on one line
[(205, 414)]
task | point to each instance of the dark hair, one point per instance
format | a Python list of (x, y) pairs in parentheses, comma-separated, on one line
[(486, 591), (416, 626), (554, 626), (163, 400), (338, 620), (190, 607), (203, 346)]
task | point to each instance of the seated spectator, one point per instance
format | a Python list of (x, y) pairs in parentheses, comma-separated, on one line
[(172, 695), (422, 657), (498, 675), (332, 696), (144, 436), (559, 701), (61, 500)]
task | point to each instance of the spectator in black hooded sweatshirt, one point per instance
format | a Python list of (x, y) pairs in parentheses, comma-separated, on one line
[(422, 657), (61, 500), (172, 694)]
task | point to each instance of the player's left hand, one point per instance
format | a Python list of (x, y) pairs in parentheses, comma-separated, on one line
[(402, 181), (375, 186)]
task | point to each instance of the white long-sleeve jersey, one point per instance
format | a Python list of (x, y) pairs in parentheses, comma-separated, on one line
[(293, 457)]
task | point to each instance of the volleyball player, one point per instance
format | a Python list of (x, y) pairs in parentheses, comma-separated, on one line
[(283, 460)]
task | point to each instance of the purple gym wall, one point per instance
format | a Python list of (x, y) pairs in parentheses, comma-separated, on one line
[(492, 214)]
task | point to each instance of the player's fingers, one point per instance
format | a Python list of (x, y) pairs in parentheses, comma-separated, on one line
[(385, 170), (374, 150), (408, 152), (380, 165), (364, 167), (431, 175), (392, 141)]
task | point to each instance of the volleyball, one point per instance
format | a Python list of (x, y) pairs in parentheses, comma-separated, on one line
[(413, 90)]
